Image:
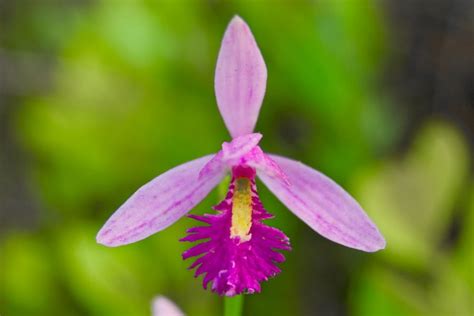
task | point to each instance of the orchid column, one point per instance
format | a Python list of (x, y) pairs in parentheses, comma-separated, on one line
[(240, 251)]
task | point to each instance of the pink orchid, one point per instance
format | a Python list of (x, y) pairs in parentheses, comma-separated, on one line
[(240, 251)]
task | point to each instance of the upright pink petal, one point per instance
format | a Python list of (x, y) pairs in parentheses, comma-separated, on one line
[(231, 153), (163, 306), (159, 203), (241, 77), (324, 206)]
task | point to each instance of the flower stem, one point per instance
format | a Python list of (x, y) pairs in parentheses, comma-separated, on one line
[(233, 305)]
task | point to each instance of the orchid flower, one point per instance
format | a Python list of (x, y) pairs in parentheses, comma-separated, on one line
[(162, 306), (239, 250)]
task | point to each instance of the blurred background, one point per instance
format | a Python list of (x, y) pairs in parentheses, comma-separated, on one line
[(98, 97)]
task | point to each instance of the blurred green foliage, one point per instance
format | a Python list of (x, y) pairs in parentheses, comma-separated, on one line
[(133, 96), (414, 200)]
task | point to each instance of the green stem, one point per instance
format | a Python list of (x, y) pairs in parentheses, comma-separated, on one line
[(233, 305)]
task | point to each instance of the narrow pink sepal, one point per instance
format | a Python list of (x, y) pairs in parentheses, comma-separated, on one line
[(163, 306), (159, 203), (240, 80), (324, 206)]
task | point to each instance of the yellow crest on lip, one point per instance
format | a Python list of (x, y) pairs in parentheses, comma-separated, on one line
[(241, 210)]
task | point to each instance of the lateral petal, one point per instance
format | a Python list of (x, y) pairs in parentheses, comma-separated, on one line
[(324, 206), (159, 203)]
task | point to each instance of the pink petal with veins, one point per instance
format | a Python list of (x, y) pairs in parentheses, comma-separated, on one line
[(241, 77), (324, 206), (159, 203)]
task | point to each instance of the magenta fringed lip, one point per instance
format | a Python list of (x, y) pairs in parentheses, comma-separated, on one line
[(236, 250), (236, 264)]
